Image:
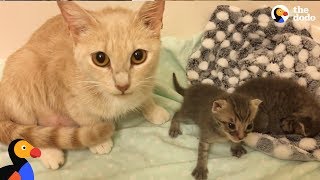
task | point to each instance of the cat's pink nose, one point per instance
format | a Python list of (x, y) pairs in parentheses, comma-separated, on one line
[(241, 136), (123, 88)]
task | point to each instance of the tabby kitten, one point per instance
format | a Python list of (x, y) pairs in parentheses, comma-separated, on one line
[(287, 107), (218, 114), (78, 72)]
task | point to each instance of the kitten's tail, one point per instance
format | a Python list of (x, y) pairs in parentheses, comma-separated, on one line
[(57, 137), (177, 86)]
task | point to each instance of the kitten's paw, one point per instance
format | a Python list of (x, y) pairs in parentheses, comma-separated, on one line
[(158, 115), (174, 131), (52, 158), (200, 173), (296, 125), (238, 151), (287, 125), (102, 148)]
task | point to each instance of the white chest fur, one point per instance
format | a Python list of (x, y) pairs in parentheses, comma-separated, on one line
[(110, 107)]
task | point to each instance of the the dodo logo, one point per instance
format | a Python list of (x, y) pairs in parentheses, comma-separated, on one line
[(280, 13), (21, 169)]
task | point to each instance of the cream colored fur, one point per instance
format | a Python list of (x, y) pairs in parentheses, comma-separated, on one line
[(55, 97)]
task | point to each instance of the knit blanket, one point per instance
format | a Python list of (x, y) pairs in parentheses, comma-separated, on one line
[(238, 45)]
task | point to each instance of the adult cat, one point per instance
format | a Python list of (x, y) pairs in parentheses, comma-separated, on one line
[(78, 72)]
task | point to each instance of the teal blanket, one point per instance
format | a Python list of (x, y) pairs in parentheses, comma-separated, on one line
[(144, 151)]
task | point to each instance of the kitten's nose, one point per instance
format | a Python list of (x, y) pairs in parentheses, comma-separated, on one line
[(241, 136), (123, 88)]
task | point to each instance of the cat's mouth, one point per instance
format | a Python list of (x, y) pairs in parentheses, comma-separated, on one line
[(124, 94), (233, 138)]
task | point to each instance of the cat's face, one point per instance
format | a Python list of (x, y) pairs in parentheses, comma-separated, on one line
[(116, 49), (235, 116)]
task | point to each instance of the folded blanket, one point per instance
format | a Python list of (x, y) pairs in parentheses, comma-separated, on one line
[(237, 46)]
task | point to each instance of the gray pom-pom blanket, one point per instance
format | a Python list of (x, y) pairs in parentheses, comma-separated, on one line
[(238, 45)]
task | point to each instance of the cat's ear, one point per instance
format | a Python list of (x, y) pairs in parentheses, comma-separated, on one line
[(151, 14), (78, 19), (254, 106), (218, 105), (255, 103)]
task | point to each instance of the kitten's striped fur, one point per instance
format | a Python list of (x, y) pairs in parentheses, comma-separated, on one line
[(217, 114)]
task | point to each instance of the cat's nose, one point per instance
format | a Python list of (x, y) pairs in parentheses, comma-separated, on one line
[(122, 81), (241, 136), (123, 88)]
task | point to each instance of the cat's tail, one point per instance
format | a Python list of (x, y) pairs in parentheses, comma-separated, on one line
[(57, 137), (177, 86)]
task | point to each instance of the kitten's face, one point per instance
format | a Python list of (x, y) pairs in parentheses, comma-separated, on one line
[(235, 116), (117, 49)]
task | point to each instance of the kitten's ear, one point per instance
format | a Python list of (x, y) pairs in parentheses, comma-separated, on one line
[(78, 19), (255, 103), (254, 107), (219, 105), (151, 14)]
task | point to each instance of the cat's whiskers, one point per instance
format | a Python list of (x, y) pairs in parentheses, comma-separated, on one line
[(146, 82), (87, 82), (91, 84), (141, 86), (150, 77)]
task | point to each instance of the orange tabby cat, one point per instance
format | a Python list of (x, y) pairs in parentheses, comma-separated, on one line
[(77, 73)]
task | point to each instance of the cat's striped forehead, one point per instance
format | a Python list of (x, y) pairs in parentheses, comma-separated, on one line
[(241, 107)]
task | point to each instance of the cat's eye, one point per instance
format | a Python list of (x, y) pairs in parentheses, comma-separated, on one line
[(249, 127), (139, 56), (231, 126), (100, 59)]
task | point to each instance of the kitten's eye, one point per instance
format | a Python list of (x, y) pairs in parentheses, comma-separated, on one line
[(139, 56), (100, 59), (249, 127), (231, 126)]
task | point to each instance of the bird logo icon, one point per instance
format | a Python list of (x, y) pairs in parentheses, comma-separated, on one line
[(280, 13), (21, 169)]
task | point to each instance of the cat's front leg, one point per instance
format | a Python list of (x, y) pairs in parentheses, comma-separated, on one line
[(85, 119), (104, 147), (175, 130), (52, 158), (200, 172), (154, 113), (237, 150)]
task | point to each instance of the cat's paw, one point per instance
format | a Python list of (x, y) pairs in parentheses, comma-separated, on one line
[(102, 148), (238, 151), (287, 125), (157, 115), (52, 158), (200, 173), (294, 125), (174, 131)]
